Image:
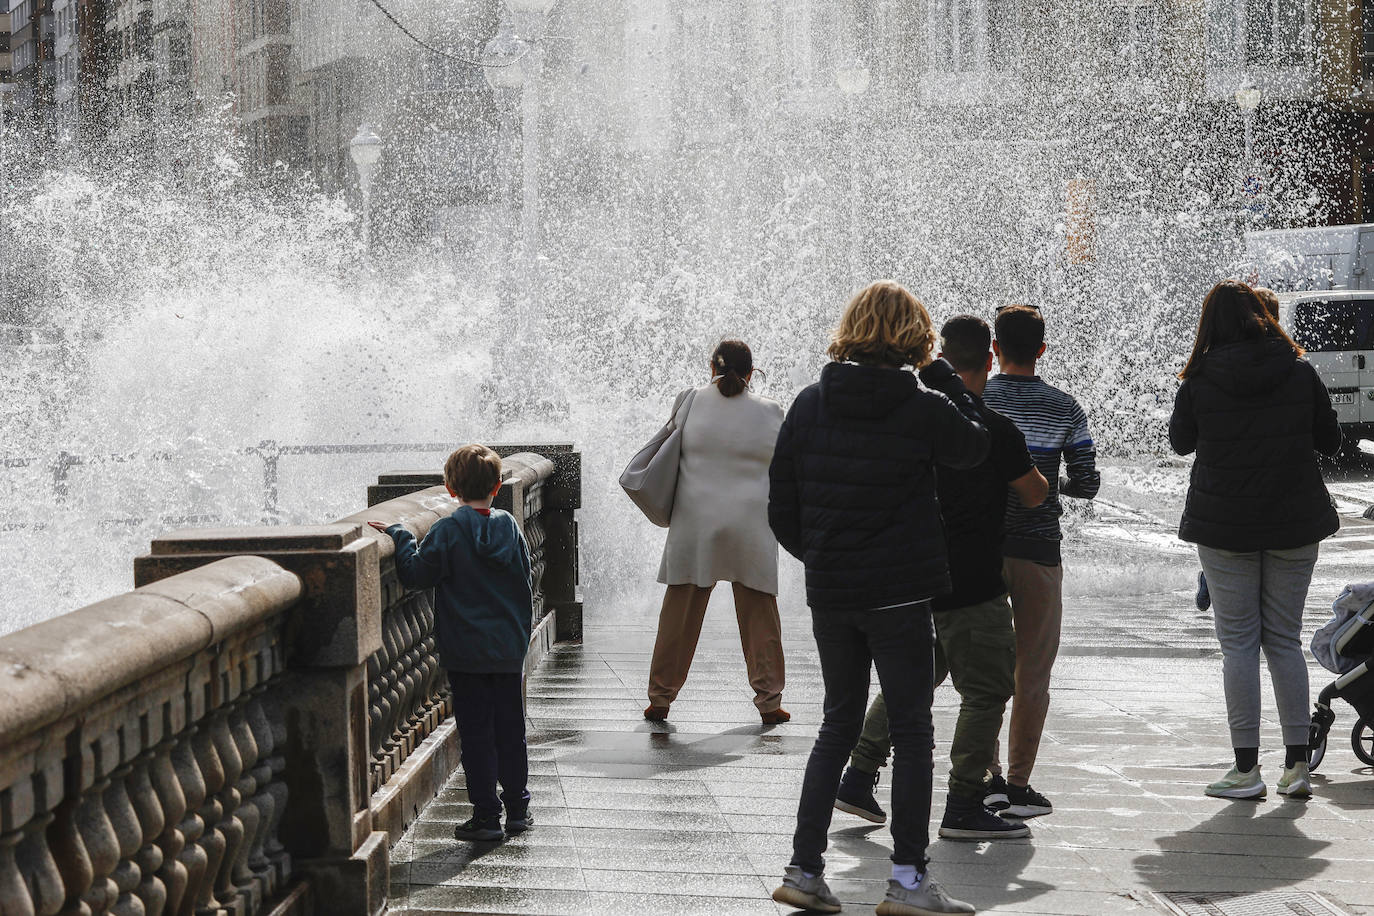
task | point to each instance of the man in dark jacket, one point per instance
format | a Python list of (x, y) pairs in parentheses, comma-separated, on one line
[(478, 563), (975, 640), (853, 497)]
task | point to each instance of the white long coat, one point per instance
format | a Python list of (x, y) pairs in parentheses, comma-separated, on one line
[(719, 530)]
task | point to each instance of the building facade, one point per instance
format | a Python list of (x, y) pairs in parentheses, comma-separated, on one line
[(6, 68)]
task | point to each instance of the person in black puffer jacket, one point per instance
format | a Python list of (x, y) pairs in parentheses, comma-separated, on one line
[(1257, 414), (852, 495)]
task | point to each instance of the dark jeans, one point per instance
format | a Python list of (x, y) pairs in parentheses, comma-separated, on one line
[(490, 713), (900, 643)]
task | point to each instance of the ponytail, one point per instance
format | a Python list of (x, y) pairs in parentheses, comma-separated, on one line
[(731, 363)]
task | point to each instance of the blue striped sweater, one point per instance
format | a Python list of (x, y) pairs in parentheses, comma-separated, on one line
[(1055, 427)]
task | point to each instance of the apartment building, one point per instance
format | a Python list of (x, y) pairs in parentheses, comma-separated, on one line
[(6, 74), (32, 67)]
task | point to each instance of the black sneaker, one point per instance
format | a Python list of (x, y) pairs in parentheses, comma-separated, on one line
[(995, 794), (518, 824), (480, 830), (967, 819), (1023, 801), (855, 796), (1203, 598)]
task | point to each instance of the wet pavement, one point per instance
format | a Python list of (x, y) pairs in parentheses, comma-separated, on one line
[(695, 815)]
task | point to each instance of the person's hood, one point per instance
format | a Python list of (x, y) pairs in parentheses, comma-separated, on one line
[(868, 392), (494, 537), (1249, 367)]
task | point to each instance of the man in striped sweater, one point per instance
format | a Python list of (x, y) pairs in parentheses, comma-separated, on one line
[(1055, 428)]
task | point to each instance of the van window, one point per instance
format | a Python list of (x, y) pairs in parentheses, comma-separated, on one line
[(1322, 326)]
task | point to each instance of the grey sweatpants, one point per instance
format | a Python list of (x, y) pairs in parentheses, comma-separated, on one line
[(1257, 602)]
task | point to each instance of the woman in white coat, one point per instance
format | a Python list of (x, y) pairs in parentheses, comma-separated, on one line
[(719, 533)]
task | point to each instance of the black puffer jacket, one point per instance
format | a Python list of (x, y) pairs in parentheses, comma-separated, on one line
[(853, 486), (1257, 415)]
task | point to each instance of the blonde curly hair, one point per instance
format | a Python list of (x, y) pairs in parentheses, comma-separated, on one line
[(884, 325)]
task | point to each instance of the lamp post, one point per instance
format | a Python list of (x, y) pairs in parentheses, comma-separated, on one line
[(521, 61), (366, 150), (853, 79), (1248, 98)]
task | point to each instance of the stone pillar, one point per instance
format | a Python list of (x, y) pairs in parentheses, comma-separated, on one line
[(327, 824)]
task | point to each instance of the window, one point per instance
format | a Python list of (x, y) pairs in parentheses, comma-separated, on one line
[(969, 35), (1276, 31), (1133, 35), (1367, 39)]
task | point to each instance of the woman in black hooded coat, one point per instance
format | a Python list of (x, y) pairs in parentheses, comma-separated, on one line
[(1257, 415)]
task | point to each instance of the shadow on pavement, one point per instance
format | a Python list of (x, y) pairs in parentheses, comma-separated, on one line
[(1227, 845)]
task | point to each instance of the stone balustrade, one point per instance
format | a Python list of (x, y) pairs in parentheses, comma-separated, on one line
[(248, 730)]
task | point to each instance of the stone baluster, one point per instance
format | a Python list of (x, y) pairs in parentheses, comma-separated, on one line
[(73, 862), (172, 801), (247, 811), (374, 705), (14, 893), (410, 671), (391, 638), (129, 839), (151, 821), (38, 867), (276, 850), (229, 826), (264, 800), (211, 811), (194, 856), (102, 847)]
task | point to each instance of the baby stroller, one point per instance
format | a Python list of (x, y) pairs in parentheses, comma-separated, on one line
[(1346, 647)]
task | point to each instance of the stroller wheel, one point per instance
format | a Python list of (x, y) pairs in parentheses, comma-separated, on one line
[(1315, 755), (1362, 741)]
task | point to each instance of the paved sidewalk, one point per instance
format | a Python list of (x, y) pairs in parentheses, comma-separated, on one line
[(695, 815)]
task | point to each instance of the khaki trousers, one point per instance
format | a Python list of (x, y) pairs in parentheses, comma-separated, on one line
[(679, 628), (1037, 605)]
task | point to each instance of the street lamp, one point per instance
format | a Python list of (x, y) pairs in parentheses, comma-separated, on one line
[(1248, 98), (366, 150), (853, 79)]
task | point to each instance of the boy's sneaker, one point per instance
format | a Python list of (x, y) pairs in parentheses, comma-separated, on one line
[(517, 824), (1023, 801), (1203, 598), (655, 713), (806, 893), (1236, 784), (855, 796), (966, 819), (928, 899), (480, 829), (995, 794), (1295, 781)]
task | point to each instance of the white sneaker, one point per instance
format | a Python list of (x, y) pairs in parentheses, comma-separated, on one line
[(1236, 784), (1296, 782)]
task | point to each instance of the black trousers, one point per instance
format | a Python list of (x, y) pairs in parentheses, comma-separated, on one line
[(899, 642), (490, 713)]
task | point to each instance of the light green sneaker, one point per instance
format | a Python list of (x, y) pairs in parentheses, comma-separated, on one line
[(1296, 782), (1236, 784)]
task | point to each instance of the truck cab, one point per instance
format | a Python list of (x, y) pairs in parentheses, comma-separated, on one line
[(1336, 328)]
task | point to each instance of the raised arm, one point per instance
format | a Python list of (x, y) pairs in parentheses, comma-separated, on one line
[(959, 438), (1081, 479), (424, 565)]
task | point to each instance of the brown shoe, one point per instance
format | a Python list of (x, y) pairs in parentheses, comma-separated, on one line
[(655, 713), (775, 716)]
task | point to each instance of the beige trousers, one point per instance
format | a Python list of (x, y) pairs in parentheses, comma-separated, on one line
[(1037, 605), (679, 628)]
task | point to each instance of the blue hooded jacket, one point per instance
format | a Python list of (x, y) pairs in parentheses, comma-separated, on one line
[(479, 567)]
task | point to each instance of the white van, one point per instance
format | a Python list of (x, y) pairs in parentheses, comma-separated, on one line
[(1319, 258), (1336, 329)]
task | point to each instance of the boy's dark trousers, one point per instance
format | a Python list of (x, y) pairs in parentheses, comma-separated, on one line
[(899, 643), (490, 713), (976, 645)]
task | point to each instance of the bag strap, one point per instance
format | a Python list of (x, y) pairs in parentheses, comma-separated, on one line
[(685, 399)]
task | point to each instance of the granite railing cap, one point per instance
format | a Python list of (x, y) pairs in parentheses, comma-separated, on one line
[(56, 668)]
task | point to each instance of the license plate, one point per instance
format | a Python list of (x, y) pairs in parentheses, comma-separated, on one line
[(1343, 397)]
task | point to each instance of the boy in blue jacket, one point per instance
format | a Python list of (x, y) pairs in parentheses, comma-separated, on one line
[(478, 563)]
